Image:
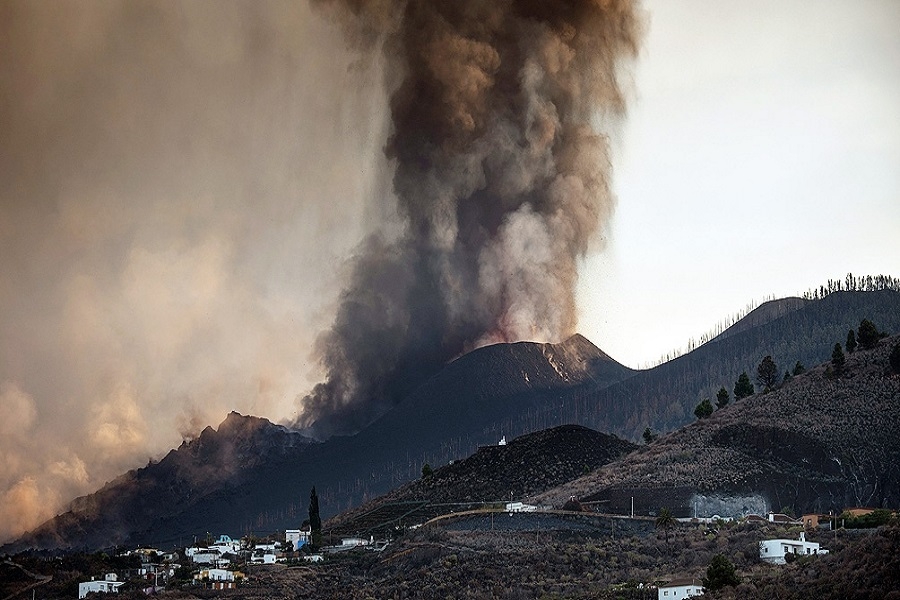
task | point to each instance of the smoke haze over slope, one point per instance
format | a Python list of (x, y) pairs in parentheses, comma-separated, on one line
[(168, 173)]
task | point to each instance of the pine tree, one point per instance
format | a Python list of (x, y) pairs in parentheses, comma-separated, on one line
[(722, 398), (720, 573), (851, 341), (427, 471), (799, 369), (704, 409), (743, 387), (315, 521), (837, 359), (767, 374), (867, 334)]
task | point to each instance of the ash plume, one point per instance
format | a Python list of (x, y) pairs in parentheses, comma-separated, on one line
[(502, 181), (176, 181)]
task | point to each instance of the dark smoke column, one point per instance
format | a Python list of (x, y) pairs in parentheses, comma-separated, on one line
[(502, 178)]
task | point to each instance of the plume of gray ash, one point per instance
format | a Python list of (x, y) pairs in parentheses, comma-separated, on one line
[(502, 180)]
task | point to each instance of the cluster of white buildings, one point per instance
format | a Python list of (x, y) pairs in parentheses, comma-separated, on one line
[(211, 561)]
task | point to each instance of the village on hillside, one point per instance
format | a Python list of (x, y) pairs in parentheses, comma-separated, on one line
[(225, 563)]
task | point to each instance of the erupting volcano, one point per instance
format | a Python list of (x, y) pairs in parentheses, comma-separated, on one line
[(500, 121)]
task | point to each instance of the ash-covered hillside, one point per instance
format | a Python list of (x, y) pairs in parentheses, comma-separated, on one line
[(525, 466), (820, 442)]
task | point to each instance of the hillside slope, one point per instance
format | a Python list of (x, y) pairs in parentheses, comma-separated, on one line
[(254, 476), (183, 480), (664, 397), (527, 465), (818, 443), (507, 389)]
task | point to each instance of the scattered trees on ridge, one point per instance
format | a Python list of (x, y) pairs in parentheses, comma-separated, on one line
[(868, 283)]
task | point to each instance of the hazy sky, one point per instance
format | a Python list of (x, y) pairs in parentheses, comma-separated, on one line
[(761, 156), (181, 188)]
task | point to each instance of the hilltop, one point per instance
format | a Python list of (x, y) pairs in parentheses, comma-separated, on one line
[(527, 465)]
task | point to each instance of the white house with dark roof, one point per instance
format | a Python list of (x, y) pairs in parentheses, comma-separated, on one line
[(774, 551), (679, 588)]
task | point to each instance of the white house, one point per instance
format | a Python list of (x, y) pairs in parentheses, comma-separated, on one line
[(226, 545), (520, 507), (679, 588), (782, 519), (299, 537), (219, 579), (267, 547), (106, 586), (218, 574), (208, 557), (774, 551)]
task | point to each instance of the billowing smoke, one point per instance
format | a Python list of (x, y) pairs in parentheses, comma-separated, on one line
[(178, 181), (499, 116)]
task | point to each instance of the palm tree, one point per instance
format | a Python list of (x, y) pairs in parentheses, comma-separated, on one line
[(665, 521)]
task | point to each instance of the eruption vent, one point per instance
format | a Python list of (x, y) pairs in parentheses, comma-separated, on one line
[(502, 180)]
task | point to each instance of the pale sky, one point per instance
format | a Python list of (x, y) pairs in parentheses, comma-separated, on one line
[(761, 156)]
